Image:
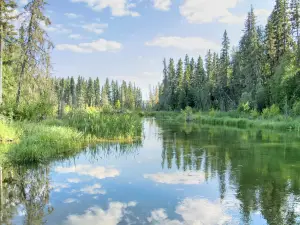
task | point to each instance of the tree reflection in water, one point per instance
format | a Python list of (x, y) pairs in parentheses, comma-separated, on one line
[(261, 167)]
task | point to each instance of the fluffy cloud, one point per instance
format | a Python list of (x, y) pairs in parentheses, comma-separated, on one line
[(75, 36), (95, 27), (74, 180), (93, 190), (97, 216), (72, 15), (193, 211), (58, 28), (118, 7), (56, 187), (89, 170), (162, 4), (23, 2), (184, 43), (70, 200), (177, 178), (100, 45), (204, 11)]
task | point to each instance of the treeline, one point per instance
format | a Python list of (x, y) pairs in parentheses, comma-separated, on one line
[(27, 88), (262, 71), (81, 93)]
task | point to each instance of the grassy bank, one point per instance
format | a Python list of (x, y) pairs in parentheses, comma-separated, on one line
[(56, 139), (233, 119)]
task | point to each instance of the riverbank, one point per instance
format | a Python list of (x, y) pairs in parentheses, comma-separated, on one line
[(32, 142), (231, 119)]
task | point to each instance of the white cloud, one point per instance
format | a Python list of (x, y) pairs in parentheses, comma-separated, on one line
[(75, 36), (95, 27), (184, 43), (262, 15), (70, 200), (56, 187), (100, 45), (73, 15), (118, 7), (177, 178), (97, 216), (162, 4), (58, 28), (93, 190), (74, 180), (23, 2), (193, 211), (205, 11), (97, 171)]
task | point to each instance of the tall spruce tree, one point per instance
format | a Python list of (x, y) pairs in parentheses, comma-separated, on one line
[(7, 8)]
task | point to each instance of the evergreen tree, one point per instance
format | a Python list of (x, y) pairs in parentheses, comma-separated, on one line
[(97, 92), (179, 90), (6, 30), (73, 92), (90, 93)]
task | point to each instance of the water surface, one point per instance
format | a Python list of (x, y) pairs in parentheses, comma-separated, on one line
[(180, 174)]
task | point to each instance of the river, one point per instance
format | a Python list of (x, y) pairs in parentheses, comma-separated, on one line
[(179, 174)]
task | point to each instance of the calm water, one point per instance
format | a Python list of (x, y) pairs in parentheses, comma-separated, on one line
[(178, 175)]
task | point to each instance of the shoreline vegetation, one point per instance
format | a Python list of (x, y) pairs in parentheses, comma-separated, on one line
[(270, 119), (31, 142)]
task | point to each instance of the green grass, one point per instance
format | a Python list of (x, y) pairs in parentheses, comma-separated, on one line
[(106, 127), (7, 133), (41, 143), (235, 119), (57, 139)]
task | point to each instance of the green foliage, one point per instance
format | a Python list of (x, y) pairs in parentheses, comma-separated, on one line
[(41, 143), (7, 132), (106, 126), (296, 108), (271, 112), (254, 114), (244, 107), (187, 113)]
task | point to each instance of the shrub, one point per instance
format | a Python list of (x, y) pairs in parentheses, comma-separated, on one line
[(212, 112), (244, 107), (296, 108), (273, 111), (254, 114)]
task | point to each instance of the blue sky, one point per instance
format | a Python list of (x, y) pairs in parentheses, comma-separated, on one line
[(128, 39)]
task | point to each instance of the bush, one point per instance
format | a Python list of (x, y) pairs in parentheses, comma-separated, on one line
[(244, 107), (212, 112), (296, 108), (254, 114), (273, 111)]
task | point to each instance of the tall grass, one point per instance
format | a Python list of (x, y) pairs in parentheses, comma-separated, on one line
[(103, 126), (7, 133), (41, 143), (237, 119)]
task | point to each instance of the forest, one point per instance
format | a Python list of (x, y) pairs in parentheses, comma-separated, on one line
[(262, 72), (27, 88)]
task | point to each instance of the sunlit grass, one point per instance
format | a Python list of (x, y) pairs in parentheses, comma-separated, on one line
[(41, 143), (7, 132)]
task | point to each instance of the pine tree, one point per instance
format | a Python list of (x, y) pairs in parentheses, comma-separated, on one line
[(34, 41), (73, 92), (97, 92), (80, 93), (6, 30), (172, 85), (187, 81), (295, 26), (179, 90), (90, 93)]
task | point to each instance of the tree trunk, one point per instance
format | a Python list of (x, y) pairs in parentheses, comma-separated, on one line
[(20, 82)]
